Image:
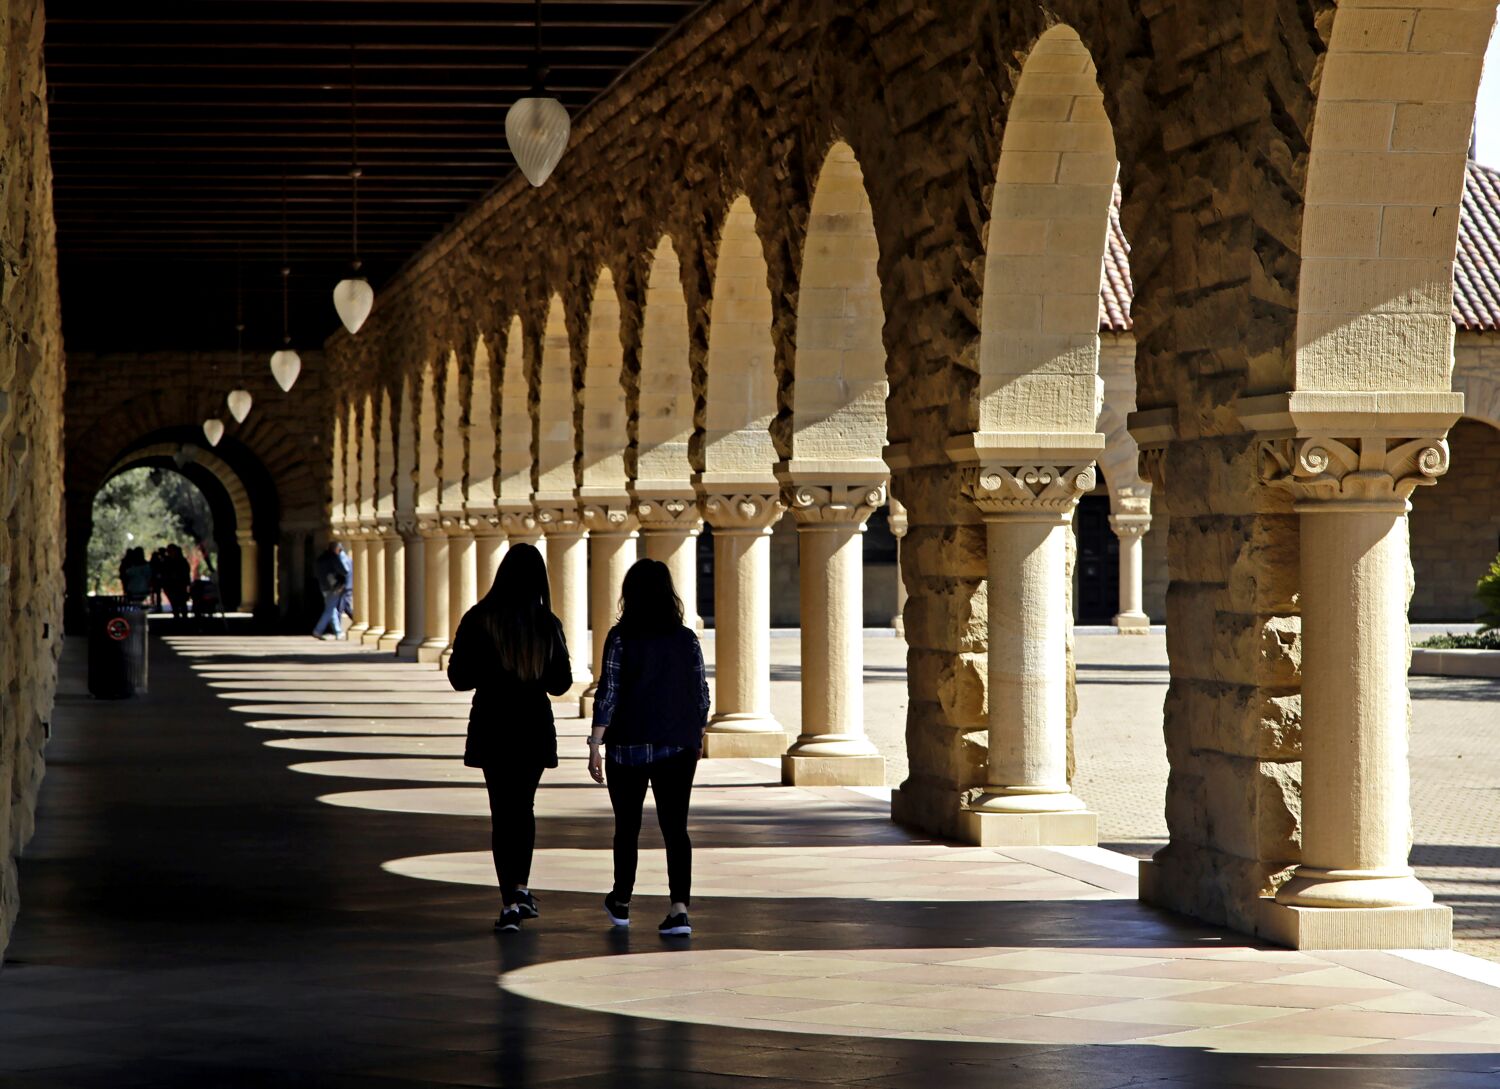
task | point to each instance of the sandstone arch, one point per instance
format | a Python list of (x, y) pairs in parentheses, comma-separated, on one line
[(664, 406), (839, 381), (740, 400), (603, 437)]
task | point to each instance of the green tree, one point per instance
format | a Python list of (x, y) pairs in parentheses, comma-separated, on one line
[(146, 508)]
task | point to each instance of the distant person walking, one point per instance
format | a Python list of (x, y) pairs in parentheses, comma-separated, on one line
[(331, 580), (135, 575), (510, 651), (174, 581), (346, 599), (650, 710)]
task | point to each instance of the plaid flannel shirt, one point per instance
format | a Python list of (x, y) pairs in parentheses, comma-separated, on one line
[(608, 693)]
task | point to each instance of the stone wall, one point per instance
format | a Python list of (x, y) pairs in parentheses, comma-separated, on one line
[(1455, 526), (31, 404), (121, 404)]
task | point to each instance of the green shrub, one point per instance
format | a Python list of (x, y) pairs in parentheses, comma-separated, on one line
[(1484, 640), (1487, 590)]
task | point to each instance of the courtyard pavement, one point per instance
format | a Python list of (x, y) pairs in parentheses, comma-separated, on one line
[(273, 870)]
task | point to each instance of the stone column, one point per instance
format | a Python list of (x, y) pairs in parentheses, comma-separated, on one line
[(462, 576), (567, 573), (249, 570), (375, 585), (898, 524), (414, 567), (742, 724), (1355, 888), (360, 554), (1130, 526), (832, 749), (394, 552), (670, 525), (612, 544), (435, 565), (1028, 513)]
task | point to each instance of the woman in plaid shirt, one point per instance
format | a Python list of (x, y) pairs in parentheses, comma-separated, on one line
[(650, 710)]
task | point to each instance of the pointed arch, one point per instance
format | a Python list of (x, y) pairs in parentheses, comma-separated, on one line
[(385, 459), (1385, 178), (367, 459), (1054, 184), (839, 381), (554, 473), (515, 418), (405, 430), (665, 399), (453, 426), (339, 478), (604, 410), (482, 430), (741, 368), (429, 485)]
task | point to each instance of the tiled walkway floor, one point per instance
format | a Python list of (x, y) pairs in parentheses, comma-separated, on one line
[(248, 878)]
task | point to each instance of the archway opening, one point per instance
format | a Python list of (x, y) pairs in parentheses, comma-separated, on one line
[(148, 518)]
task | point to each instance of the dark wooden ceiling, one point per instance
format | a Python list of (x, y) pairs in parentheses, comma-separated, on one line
[(174, 122)]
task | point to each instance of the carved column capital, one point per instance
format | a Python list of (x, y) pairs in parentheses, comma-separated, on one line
[(518, 523), (668, 514), (406, 526), (897, 518), (430, 525), (1130, 526), (609, 516), (1367, 471), (753, 512), (1027, 491), (557, 519), (833, 504)]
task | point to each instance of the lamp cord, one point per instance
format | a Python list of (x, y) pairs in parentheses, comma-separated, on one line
[(354, 170), (286, 268)]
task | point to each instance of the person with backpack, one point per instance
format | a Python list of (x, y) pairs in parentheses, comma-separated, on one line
[(331, 581), (650, 710), (510, 652)]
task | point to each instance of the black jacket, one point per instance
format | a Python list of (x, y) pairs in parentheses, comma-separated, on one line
[(511, 719), (660, 695)]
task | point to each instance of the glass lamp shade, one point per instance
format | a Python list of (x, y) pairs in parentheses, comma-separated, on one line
[(286, 365), (537, 131), (239, 404), (353, 300), (213, 431)]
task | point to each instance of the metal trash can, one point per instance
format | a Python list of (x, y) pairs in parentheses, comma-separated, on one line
[(117, 648)]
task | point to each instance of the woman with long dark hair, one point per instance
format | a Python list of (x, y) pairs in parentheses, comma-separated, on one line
[(650, 710), (510, 651)]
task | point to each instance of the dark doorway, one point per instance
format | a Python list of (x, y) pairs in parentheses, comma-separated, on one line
[(1097, 579)]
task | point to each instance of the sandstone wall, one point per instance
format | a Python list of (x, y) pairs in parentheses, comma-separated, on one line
[(1211, 104), (121, 403), (31, 405), (1455, 526)]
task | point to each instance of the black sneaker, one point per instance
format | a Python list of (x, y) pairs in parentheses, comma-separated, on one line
[(674, 926), (526, 904), (617, 910), (510, 919)]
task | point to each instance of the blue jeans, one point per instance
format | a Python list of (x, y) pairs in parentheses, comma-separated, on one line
[(330, 617)]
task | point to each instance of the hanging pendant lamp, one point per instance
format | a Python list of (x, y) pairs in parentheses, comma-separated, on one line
[(239, 399), (213, 431), (353, 297), (286, 364), (537, 127)]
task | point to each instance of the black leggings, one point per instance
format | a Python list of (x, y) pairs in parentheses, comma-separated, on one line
[(512, 789), (671, 782)]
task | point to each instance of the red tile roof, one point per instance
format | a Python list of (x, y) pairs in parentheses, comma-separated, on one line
[(1476, 273)]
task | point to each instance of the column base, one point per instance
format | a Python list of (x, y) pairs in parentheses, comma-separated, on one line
[(743, 738), (443, 657), (586, 701), (1426, 927), (832, 770), (1133, 624), (407, 649), (371, 638), (390, 640), (1079, 828), (430, 650), (356, 632)]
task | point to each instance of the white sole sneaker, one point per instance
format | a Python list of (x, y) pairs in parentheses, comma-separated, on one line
[(614, 919)]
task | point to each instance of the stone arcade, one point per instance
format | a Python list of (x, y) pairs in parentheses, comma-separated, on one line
[(809, 258)]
